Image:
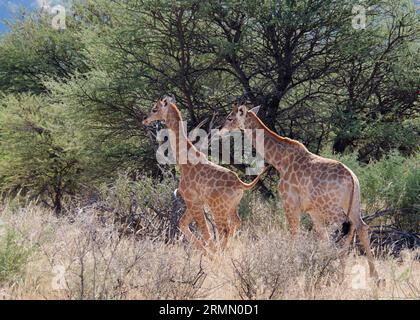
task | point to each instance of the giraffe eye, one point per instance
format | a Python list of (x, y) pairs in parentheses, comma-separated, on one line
[(154, 110), (229, 119)]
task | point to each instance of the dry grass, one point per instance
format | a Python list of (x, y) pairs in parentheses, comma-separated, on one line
[(83, 257)]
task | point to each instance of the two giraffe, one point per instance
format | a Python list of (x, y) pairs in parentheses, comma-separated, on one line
[(326, 189), (202, 182)]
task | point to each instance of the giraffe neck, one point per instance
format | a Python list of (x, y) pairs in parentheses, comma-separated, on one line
[(278, 151), (182, 147)]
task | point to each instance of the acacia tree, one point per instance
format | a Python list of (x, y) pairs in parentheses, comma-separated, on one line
[(301, 60), (275, 48), (32, 51), (374, 110), (40, 153), (160, 48)]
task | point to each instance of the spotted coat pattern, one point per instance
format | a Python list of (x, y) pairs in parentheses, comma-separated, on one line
[(324, 188)]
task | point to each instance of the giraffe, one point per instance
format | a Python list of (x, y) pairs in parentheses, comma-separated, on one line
[(324, 188), (202, 183)]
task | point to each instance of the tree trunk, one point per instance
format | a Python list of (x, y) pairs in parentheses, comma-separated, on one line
[(57, 202), (269, 118), (58, 196)]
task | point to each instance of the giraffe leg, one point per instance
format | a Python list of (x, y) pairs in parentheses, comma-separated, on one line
[(190, 214), (203, 227), (350, 236), (291, 207), (345, 241), (235, 222), (292, 216), (233, 216), (220, 215), (226, 218), (225, 236), (222, 229), (362, 232), (322, 219), (345, 249), (227, 229), (184, 225)]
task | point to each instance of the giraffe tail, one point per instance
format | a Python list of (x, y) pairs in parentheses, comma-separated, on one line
[(346, 226), (351, 192), (248, 186)]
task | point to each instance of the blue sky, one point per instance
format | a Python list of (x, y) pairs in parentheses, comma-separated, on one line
[(10, 8)]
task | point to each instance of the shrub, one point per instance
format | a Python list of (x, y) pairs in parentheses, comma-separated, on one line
[(267, 266), (143, 205), (408, 218), (13, 256), (88, 259), (170, 273), (390, 184)]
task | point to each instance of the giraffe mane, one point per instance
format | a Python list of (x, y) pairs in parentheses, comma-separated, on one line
[(275, 135), (175, 109), (178, 116)]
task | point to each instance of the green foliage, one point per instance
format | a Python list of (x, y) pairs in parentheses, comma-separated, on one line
[(13, 256), (40, 153), (33, 50), (245, 206), (409, 218), (390, 184)]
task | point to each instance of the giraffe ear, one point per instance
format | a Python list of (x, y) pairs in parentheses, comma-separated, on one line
[(255, 109), (168, 99), (171, 98)]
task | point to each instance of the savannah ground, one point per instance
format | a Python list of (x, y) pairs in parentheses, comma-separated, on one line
[(81, 256), (121, 241)]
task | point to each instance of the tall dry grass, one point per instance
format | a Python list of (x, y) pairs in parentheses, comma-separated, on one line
[(81, 256)]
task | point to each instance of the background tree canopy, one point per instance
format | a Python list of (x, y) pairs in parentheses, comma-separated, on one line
[(72, 100)]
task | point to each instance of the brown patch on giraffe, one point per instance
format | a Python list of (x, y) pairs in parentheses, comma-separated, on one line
[(293, 178)]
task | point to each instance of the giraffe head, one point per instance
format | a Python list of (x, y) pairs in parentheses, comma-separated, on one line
[(159, 111), (236, 120)]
